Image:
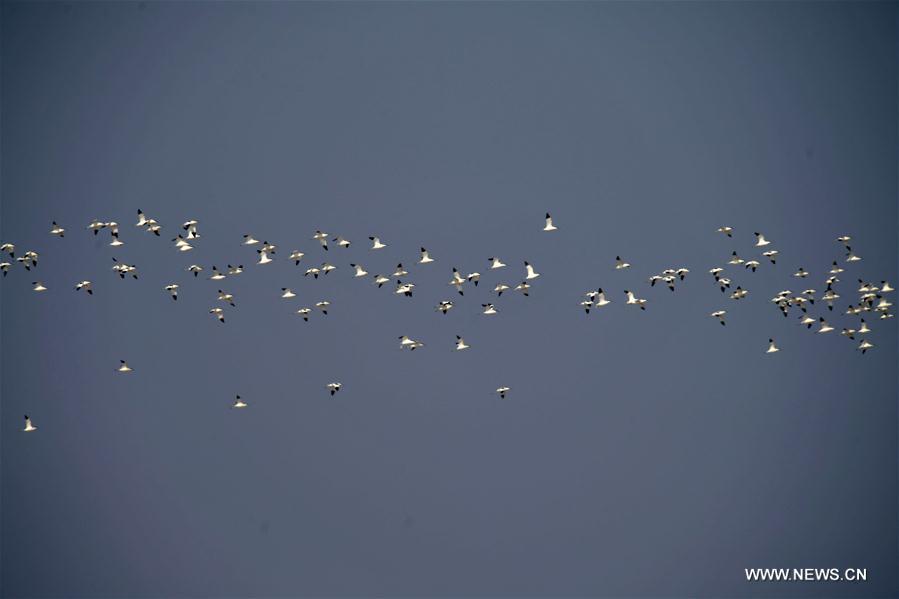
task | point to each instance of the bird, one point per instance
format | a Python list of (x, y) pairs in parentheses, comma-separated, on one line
[(57, 230), (719, 315), (801, 273), (322, 239), (635, 301), (716, 271), (865, 345), (850, 257), (360, 272), (771, 255), (444, 306), (334, 387), (296, 256), (404, 288), (726, 230), (287, 293), (235, 270), (474, 277), (457, 281), (425, 257), (408, 343), (531, 273), (86, 286), (173, 290), (226, 297), (380, 280), (739, 293), (29, 426), (122, 269), (771, 347), (621, 264), (863, 328), (753, 264), (341, 242), (191, 228), (249, 240), (488, 309), (239, 403), (586, 305), (323, 306), (4, 266), (824, 328), (885, 287), (9, 248), (123, 367), (194, 268), (735, 259), (216, 275), (304, 312), (460, 343), (760, 240), (263, 257), (502, 392), (601, 299), (38, 286), (495, 263), (312, 270), (325, 268), (181, 244), (523, 287), (500, 287), (549, 224), (219, 313), (376, 243)]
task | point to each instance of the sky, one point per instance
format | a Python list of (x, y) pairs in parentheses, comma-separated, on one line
[(639, 453)]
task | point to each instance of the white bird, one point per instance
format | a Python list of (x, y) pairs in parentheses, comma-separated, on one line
[(719, 315), (863, 329), (740, 293), (323, 306), (500, 287), (239, 403), (173, 290), (488, 309), (444, 306), (760, 240), (474, 277), (334, 387), (404, 288), (57, 230), (586, 305), (400, 271), (771, 255), (753, 264), (425, 257), (726, 230), (191, 228), (123, 269), (716, 271), (181, 244), (123, 366), (460, 343), (801, 273), (502, 392), (9, 248), (808, 321), (457, 281), (850, 257), (219, 313), (380, 280), (531, 273), (249, 240), (410, 344), (835, 269), (549, 224), (296, 256), (322, 239), (601, 299), (312, 270), (86, 285), (304, 312), (495, 263), (523, 287), (235, 270), (735, 259), (38, 286), (824, 328), (4, 266), (865, 345), (226, 297), (376, 244), (263, 257), (326, 268), (194, 268), (621, 264), (340, 241), (635, 301), (885, 287), (771, 347), (216, 275), (29, 426), (287, 293)]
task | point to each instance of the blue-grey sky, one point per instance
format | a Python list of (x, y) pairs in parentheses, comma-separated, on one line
[(639, 453)]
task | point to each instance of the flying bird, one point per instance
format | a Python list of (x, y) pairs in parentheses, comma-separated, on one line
[(57, 230), (376, 243), (549, 224), (29, 426), (123, 367)]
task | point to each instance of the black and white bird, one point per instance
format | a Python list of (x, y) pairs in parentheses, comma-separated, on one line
[(500, 287), (219, 313), (376, 243), (322, 238), (621, 264), (123, 367), (173, 290), (380, 280), (425, 257), (772, 348), (530, 272), (216, 275), (360, 272), (239, 403), (404, 288), (729, 231), (719, 314), (286, 293), (760, 240), (194, 268), (57, 230), (304, 312), (549, 224), (226, 297), (495, 263), (502, 391), (444, 306), (324, 306), (334, 387), (524, 288), (85, 286), (632, 300), (296, 256), (488, 309), (460, 343), (29, 426), (38, 286), (341, 242)]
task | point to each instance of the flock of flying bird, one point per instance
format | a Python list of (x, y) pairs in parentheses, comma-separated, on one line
[(871, 296)]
